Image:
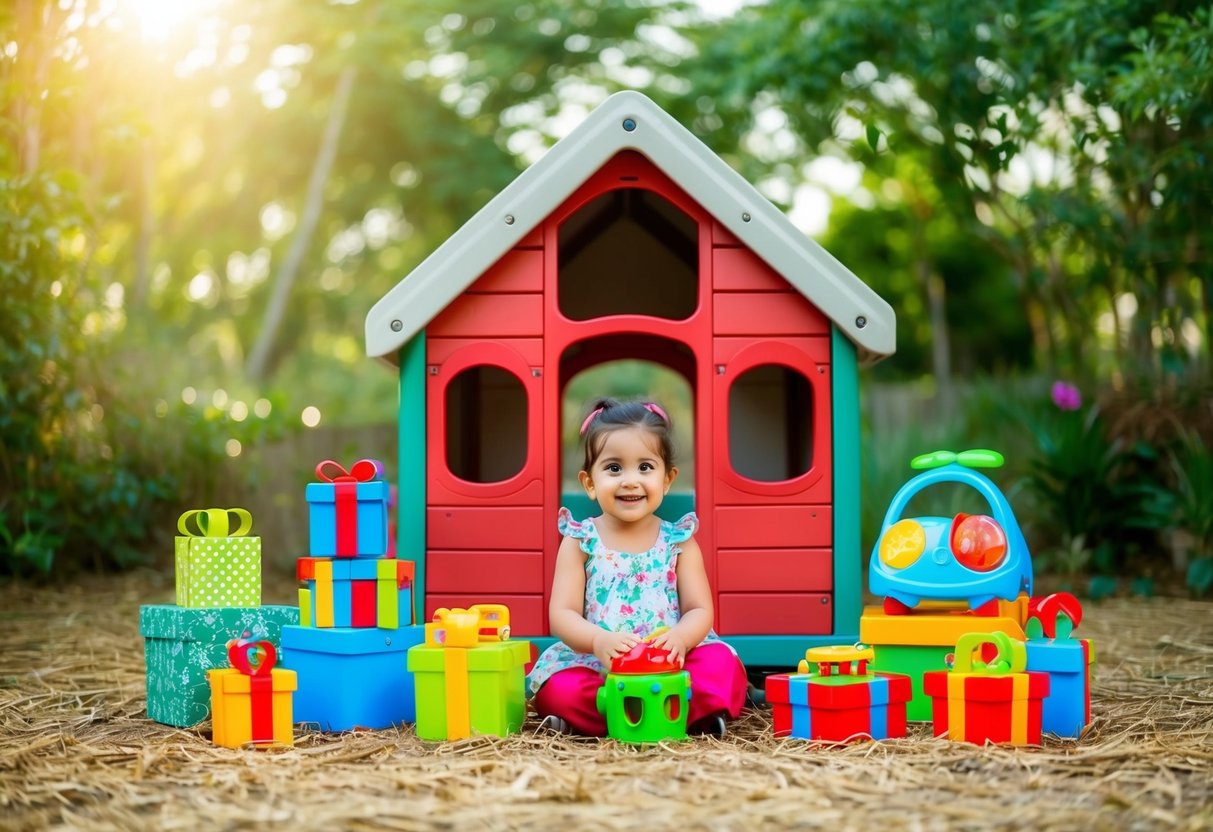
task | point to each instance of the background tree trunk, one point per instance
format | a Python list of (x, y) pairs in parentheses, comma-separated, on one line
[(33, 20), (259, 359)]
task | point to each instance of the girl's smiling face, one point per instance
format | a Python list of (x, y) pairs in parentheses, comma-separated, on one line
[(629, 479)]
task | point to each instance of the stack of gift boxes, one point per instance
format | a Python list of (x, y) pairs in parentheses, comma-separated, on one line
[(356, 608), (218, 571), (345, 652), (1006, 677)]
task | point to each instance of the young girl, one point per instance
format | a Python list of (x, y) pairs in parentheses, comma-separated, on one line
[(624, 574)]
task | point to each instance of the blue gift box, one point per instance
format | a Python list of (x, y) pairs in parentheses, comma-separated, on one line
[(1067, 708), (367, 510), (352, 678)]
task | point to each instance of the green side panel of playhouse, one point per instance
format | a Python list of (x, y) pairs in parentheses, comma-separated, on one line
[(847, 560), (410, 481)]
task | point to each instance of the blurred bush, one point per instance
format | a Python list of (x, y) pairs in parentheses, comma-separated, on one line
[(1112, 487), (89, 459)]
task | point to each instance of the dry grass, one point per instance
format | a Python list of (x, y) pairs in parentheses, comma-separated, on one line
[(76, 751)]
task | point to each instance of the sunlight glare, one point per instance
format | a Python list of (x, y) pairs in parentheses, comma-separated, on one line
[(157, 19)]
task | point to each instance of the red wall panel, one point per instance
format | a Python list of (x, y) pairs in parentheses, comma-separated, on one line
[(771, 570), (769, 613), (489, 316), (492, 571), (762, 527), (766, 313), (740, 270), (484, 527), (519, 270)]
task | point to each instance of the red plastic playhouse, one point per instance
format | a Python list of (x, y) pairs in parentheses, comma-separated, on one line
[(631, 240)]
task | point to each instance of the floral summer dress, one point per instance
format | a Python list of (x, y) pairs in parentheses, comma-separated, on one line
[(623, 591)]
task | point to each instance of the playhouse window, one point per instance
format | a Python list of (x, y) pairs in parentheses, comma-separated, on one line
[(628, 252), (771, 424), (486, 427)]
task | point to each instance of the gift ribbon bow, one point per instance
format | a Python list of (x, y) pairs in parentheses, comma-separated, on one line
[(364, 470), (1053, 616), (1012, 656), (345, 498), (215, 522), (256, 659)]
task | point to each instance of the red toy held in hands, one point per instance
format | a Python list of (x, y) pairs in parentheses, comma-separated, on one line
[(645, 658)]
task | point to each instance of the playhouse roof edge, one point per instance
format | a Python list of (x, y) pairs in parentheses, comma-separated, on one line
[(866, 318)]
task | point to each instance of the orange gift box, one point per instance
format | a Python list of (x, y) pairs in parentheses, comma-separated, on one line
[(251, 703)]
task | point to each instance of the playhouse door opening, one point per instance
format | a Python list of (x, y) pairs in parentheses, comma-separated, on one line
[(628, 380), (628, 251)]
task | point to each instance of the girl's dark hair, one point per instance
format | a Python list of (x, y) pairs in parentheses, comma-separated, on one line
[(609, 415)]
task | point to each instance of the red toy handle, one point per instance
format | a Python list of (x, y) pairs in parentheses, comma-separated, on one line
[(1047, 610)]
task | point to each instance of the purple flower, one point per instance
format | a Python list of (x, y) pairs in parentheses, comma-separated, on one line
[(1066, 396)]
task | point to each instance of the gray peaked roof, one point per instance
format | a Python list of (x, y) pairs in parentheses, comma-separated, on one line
[(497, 227)]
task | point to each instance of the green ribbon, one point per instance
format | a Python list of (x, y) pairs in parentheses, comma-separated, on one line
[(1012, 655), (214, 522)]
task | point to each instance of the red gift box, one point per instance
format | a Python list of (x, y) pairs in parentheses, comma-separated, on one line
[(998, 702)]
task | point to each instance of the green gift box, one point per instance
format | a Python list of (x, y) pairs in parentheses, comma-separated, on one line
[(484, 692), (182, 644), (217, 566)]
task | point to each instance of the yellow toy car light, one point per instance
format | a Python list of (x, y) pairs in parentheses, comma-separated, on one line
[(902, 544)]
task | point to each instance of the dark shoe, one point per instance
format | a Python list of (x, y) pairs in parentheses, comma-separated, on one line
[(756, 697), (553, 723), (712, 726)]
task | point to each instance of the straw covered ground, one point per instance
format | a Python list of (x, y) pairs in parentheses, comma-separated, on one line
[(76, 751)]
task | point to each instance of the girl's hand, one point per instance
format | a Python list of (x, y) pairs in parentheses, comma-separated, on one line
[(674, 643), (608, 645)]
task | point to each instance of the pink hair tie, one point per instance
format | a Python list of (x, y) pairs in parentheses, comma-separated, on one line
[(653, 407), (588, 419)]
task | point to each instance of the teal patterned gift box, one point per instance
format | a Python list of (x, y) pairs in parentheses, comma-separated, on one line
[(217, 566), (181, 645)]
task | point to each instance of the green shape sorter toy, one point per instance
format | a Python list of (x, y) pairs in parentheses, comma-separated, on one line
[(494, 688), (183, 643)]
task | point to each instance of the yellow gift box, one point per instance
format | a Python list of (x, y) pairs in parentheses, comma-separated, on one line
[(252, 703)]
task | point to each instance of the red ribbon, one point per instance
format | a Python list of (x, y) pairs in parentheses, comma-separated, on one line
[(345, 497), (256, 660)]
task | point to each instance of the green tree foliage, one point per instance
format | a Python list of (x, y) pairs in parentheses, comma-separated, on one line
[(1076, 136), (159, 162)]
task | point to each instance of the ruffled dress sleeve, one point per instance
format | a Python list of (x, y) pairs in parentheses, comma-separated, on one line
[(583, 531), (684, 529)]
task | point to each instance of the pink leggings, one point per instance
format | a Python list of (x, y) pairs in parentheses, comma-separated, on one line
[(718, 686)]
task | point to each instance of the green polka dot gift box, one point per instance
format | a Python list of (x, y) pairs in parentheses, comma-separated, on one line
[(218, 565)]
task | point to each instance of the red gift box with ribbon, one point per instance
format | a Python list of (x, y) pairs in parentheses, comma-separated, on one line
[(348, 510), (251, 700)]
